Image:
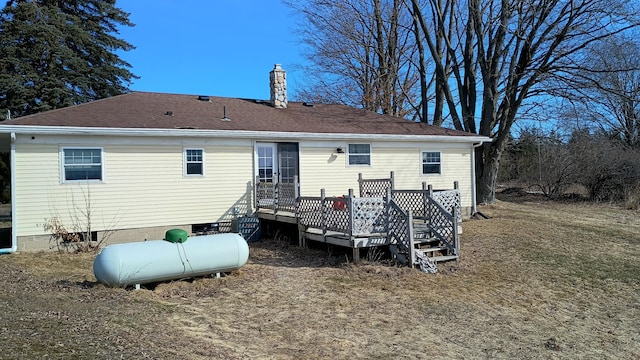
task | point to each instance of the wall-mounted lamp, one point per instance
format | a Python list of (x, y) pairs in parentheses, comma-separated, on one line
[(339, 150)]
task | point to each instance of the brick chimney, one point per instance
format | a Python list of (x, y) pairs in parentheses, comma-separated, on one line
[(278, 84)]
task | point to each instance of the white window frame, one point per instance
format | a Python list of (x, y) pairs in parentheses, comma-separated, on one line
[(186, 162), (423, 163), (63, 165), (357, 154)]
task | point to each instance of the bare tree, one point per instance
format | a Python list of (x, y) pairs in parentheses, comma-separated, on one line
[(500, 52), (361, 53), (605, 94)]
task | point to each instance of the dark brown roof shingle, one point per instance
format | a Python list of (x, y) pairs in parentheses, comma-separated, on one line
[(146, 110)]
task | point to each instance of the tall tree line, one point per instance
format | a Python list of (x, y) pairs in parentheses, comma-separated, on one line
[(57, 53), (483, 63)]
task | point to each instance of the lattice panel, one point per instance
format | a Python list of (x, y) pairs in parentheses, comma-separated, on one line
[(286, 196), (399, 232), (265, 195), (441, 224), (309, 211), (337, 214), (368, 215), (413, 200), (375, 187), (449, 199)]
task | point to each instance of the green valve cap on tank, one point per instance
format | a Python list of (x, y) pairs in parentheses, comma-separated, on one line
[(176, 236)]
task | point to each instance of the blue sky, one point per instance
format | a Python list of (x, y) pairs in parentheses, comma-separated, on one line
[(210, 47)]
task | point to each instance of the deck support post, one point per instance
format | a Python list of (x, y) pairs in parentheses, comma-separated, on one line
[(356, 255), (302, 239)]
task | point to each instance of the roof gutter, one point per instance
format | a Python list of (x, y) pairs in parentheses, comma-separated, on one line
[(106, 131), (474, 198), (14, 236)]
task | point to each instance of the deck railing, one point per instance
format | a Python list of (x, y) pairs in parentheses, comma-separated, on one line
[(277, 195), (372, 215), (391, 215), (347, 215), (400, 233), (418, 201), (375, 187)]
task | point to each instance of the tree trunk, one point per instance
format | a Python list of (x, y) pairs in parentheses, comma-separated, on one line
[(487, 165)]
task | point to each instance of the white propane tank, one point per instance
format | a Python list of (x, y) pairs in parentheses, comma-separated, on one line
[(120, 265)]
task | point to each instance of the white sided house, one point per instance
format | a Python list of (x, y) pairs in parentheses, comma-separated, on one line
[(142, 163)]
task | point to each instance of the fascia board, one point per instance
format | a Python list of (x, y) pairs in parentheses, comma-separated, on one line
[(102, 131)]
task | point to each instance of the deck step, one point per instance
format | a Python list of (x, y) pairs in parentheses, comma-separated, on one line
[(428, 240), (444, 258), (438, 258), (433, 249)]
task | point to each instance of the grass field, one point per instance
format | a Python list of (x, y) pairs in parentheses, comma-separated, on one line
[(540, 279)]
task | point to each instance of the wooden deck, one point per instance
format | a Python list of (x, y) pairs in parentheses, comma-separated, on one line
[(419, 226)]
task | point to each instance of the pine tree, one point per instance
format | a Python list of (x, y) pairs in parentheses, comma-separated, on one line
[(55, 54)]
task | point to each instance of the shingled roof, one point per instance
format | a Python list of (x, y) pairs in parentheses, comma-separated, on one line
[(146, 110)]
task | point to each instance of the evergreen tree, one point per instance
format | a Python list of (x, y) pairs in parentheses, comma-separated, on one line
[(57, 53)]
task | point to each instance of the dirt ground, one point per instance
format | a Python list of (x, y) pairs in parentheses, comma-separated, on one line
[(539, 280)]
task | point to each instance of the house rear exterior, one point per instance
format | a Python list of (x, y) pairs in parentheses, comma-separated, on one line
[(142, 163)]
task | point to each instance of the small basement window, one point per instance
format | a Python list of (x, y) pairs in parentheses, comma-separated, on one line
[(359, 154), (80, 164), (193, 162), (431, 162)]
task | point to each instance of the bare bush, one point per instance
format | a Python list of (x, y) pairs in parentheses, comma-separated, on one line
[(632, 197), (602, 163), (607, 168), (70, 241), (78, 235)]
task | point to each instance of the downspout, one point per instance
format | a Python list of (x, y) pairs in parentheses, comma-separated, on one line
[(474, 208), (12, 166)]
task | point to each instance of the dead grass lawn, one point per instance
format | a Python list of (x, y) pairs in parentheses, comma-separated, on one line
[(538, 280)]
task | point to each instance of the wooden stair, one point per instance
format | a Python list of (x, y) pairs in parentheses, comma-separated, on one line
[(429, 245), (438, 258)]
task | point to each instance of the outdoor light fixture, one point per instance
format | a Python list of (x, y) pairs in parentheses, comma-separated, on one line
[(339, 150)]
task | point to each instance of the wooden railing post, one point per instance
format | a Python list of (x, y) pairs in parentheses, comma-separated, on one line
[(412, 249), (387, 220), (430, 198), (351, 210), (392, 182), (324, 213), (274, 186), (296, 193), (425, 201), (456, 236), (257, 192)]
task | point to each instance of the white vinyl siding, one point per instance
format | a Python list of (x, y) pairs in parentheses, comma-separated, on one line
[(81, 164), (318, 171), (145, 184), (146, 187), (359, 154)]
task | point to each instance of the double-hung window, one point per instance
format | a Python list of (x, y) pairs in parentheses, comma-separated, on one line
[(359, 154), (81, 164), (431, 162), (193, 162)]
